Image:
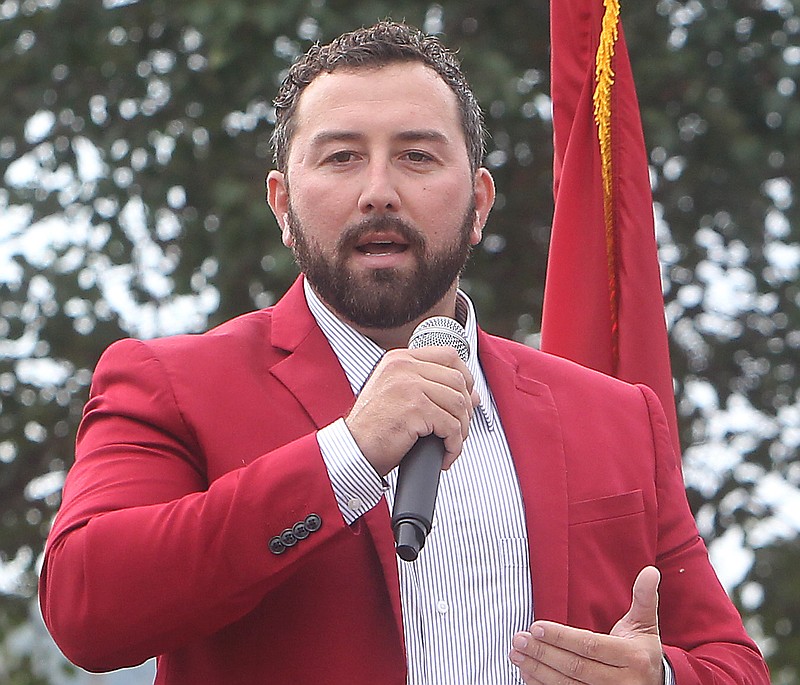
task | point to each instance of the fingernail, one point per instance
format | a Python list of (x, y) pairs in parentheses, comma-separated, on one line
[(520, 641), (537, 631)]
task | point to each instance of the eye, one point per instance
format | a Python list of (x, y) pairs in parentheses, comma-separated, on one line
[(417, 156), (341, 157)]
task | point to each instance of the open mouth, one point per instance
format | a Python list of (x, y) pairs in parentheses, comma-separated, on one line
[(381, 245)]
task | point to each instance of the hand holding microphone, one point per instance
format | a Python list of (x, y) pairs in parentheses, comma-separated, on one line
[(423, 391)]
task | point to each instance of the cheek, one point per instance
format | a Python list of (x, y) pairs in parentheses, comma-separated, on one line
[(444, 210), (322, 206), (443, 197)]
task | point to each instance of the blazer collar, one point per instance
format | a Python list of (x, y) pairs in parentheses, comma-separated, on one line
[(310, 371)]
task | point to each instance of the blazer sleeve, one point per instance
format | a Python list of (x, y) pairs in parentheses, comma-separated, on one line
[(145, 554), (694, 610)]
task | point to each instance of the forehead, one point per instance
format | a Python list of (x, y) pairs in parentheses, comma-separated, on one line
[(378, 96)]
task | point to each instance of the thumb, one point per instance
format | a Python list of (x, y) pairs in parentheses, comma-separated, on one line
[(642, 617)]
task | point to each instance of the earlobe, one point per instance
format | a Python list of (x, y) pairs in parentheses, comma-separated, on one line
[(286, 231), (476, 234)]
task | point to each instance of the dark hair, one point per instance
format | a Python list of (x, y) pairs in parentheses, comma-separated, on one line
[(384, 43)]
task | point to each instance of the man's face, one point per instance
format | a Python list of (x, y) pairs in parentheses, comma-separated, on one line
[(378, 201)]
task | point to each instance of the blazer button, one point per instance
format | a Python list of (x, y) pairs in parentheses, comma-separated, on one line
[(288, 538), (313, 523), (276, 546), (300, 530)]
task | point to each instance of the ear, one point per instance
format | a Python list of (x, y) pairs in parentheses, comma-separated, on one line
[(278, 201), (484, 193)]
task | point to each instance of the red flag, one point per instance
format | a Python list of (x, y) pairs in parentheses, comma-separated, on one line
[(603, 304)]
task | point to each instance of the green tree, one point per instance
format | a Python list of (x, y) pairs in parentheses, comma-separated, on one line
[(133, 140)]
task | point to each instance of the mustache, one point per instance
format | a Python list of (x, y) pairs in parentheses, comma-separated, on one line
[(351, 235)]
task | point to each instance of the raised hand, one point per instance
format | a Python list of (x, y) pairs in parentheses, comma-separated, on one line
[(555, 654)]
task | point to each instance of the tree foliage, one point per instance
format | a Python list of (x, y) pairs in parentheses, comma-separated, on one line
[(134, 137)]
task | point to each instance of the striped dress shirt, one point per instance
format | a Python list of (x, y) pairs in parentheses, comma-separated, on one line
[(469, 590)]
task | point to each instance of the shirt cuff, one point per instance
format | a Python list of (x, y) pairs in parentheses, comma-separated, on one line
[(669, 675), (356, 485)]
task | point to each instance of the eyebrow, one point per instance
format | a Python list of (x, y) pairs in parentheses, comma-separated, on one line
[(411, 135), (430, 135)]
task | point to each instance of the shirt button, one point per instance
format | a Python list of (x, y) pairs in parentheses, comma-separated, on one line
[(354, 503), (442, 606)]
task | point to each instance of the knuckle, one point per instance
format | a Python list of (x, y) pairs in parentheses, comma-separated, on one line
[(534, 667), (538, 651), (557, 637), (391, 357), (453, 444), (449, 353), (398, 359), (576, 667), (641, 662), (591, 645), (455, 426)]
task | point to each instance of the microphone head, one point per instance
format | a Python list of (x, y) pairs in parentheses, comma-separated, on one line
[(441, 331)]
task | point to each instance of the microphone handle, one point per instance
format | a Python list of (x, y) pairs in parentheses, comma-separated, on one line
[(415, 497)]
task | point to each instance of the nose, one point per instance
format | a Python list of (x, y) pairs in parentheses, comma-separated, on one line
[(379, 193)]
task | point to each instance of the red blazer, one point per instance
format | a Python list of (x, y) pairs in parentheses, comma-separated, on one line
[(195, 451)]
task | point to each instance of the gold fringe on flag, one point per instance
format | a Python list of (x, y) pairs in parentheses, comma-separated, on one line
[(604, 81)]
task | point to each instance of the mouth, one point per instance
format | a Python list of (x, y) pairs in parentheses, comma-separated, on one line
[(378, 245)]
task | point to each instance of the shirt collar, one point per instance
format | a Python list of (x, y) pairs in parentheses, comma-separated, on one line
[(358, 355)]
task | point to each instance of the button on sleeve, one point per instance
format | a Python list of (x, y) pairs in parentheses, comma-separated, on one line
[(276, 546)]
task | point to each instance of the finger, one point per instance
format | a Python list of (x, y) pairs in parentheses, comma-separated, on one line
[(448, 389), (443, 412), (535, 672), (436, 364), (454, 402), (444, 356), (448, 417), (549, 638), (532, 668), (552, 664), (642, 617), (645, 595)]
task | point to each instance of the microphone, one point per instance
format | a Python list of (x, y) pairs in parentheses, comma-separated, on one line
[(418, 474)]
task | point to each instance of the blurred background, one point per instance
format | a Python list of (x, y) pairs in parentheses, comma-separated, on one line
[(134, 138)]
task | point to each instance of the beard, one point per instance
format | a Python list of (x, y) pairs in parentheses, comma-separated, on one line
[(386, 297)]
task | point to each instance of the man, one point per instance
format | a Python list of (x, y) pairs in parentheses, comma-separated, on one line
[(227, 510)]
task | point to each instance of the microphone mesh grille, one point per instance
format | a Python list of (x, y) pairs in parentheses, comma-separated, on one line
[(441, 331)]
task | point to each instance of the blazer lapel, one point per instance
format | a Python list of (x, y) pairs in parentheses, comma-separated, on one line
[(530, 420), (312, 373)]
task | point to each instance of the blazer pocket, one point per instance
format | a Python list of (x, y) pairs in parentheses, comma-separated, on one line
[(605, 508)]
